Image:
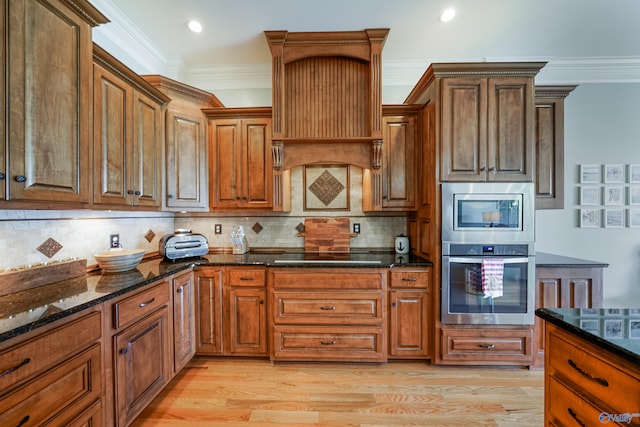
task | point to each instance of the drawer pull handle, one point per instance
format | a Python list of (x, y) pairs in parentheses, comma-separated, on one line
[(23, 421), (584, 373), (15, 368), (488, 346), (246, 278), (144, 304), (409, 279), (575, 417), (327, 342), (328, 308)]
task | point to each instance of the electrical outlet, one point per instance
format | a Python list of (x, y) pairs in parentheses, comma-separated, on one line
[(218, 228), (114, 241), (356, 228)]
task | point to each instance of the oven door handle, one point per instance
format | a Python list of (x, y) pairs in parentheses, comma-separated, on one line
[(471, 260)]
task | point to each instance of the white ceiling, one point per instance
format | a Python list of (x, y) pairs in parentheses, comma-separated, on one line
[(585, 41)]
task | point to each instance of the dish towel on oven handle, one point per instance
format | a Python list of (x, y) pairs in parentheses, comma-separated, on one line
[(492, 275)]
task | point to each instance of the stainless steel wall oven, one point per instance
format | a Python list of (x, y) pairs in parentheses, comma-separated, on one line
[(488, 255)]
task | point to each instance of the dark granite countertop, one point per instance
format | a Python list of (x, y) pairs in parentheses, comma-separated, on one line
[(24, 311), (544, 259), (616, 330)]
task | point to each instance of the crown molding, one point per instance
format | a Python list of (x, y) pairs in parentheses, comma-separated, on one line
[(124, 40)]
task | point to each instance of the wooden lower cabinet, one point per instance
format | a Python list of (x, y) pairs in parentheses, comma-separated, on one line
[(54, 377), (409, 313), (583, 381), (487, 345), (323, 314), (564, 287), (141, 350), (232, 314), (184, 320)]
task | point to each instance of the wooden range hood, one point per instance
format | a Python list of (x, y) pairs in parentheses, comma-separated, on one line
[(327, 97)]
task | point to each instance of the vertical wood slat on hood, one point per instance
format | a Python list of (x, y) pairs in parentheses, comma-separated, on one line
[(327, 98)]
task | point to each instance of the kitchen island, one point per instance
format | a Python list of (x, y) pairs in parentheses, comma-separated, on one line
[(592, 366)]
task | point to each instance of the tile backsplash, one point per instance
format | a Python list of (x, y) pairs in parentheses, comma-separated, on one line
[(83, 233)]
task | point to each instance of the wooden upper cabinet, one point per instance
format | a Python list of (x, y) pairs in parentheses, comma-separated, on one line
[(240, 163), (128, 137), (48, 112), (485, 119), (186, 158), (549, 145), (393, 187)]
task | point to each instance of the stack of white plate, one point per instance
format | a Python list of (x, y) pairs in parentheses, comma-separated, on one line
[(119, 260)]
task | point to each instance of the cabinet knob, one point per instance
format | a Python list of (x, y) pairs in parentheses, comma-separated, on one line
[(129, 191), (179, 290), (493, 169), (395, 304), (261, 301), (124, 351), (169, 196), (483, 169), (137, 193), (21, 178), (2, 175)]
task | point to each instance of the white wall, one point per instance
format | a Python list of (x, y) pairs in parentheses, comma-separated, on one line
[(602, 126)]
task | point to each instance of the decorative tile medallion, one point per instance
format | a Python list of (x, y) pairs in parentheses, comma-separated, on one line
[(257, 228), (150, 235), (300, 228), (326, 187), (50, 247)]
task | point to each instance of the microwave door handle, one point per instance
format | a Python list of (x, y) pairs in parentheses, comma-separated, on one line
[(469, 260)]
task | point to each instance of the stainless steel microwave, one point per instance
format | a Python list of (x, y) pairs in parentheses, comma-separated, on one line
[(488, 212)]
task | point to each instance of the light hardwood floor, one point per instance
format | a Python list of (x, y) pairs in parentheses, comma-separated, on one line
[(258, 393)]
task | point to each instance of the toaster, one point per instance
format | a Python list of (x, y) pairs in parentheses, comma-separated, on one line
[(183, 244)]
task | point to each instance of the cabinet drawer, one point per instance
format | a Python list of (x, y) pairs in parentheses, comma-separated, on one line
[(337, 343), (246, 277), (24, 360), (57, 396), (410, 278), (487, 346), (566, 408), (135, 307), (293, 278), (574, 362), (328, 308)]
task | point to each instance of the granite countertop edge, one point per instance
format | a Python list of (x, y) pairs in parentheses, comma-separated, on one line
[(555, 317), (155, 269)]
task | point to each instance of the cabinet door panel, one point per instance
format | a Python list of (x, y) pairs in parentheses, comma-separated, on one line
[(186, 177), (224, 174), (510, 148), (408, 322), (258, 184), (247, 322), (112, 100), (184, 328), (464, 139), (398, 185), (209, 311), (141, 364), (49, 81), (147, 146)]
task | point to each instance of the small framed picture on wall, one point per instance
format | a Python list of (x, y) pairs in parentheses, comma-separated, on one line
[(590, 195), (634, 218), (634, 174), (613, 195), (589, 218), (614, 174), (614, 218), (590, 174), (634, 195)]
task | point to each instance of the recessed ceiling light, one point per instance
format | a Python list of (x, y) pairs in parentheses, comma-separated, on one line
[(448, 15), (194, 26)]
